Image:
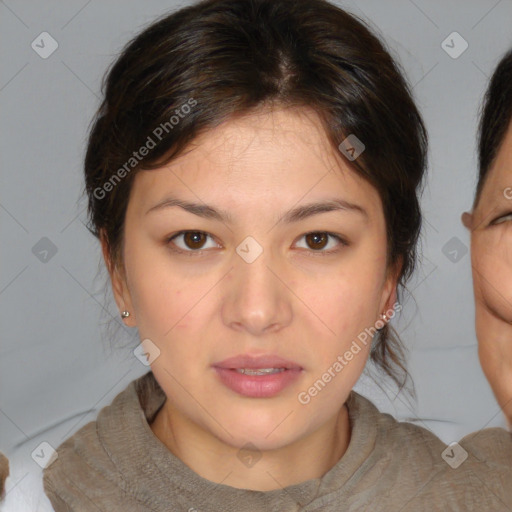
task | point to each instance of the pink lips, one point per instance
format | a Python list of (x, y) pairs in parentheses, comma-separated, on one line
[(257, 386)]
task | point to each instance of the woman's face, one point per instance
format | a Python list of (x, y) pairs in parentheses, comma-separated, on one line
[(491, 242), (491, 260), (253, 282)]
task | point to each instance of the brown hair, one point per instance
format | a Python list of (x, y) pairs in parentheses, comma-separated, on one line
[(226, 58)]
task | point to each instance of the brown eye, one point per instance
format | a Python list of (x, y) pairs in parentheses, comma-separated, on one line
[(317, 241), (192, 242), (194, 239)]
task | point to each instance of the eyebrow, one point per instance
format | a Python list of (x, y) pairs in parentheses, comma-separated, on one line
[(295, 215)]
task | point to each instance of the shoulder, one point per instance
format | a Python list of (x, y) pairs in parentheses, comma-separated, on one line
[(414, 466), (78, 464), (489, 452), (83, 463), (493, 445), (405, 440)]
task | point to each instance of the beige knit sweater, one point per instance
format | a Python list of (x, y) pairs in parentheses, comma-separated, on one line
[(116, 463)]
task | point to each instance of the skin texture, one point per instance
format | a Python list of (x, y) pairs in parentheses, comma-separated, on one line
[(491, 259), (293, 301)]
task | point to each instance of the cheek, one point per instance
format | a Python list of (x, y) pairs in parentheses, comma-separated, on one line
[(347, 304), (168, 312), (492, 271), (161, 295)]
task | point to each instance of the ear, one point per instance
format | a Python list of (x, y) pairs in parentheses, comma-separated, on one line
[(118, 280), (389, 291), (467, 220)]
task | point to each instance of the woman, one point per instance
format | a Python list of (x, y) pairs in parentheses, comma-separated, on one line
[(491, 242), (253, 177)]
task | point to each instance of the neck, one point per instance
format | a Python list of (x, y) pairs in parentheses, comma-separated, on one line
[(308, 458)]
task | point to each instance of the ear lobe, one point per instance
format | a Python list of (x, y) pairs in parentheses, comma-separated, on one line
[(392, 299), (117, 280), (467, 220), (390, 291)]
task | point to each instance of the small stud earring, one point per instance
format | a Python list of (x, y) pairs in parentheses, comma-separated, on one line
[(383, 319), (125, 314)]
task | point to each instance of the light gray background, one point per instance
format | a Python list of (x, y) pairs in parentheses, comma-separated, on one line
[(56, 368)]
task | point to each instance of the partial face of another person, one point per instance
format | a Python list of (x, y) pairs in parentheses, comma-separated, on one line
[(491, 256), (257, 272), (492, 236)]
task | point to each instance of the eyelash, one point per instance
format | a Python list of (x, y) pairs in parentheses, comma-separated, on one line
[(199, 252)]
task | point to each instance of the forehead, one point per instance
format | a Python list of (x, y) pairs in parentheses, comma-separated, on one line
[(262, 142), (282, 155)]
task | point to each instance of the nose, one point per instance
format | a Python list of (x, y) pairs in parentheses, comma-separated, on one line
[(258, 298)]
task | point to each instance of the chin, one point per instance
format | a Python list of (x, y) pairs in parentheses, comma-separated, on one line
[(265, 434), (258, 441)]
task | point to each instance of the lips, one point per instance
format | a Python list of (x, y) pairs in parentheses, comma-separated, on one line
[(257, 376), (257, 362)]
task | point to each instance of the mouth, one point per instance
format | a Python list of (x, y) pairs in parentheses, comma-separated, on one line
[(263, 363), (260, 371), (257, 376)]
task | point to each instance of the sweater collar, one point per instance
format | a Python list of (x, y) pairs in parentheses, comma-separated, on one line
[(161, 478)]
